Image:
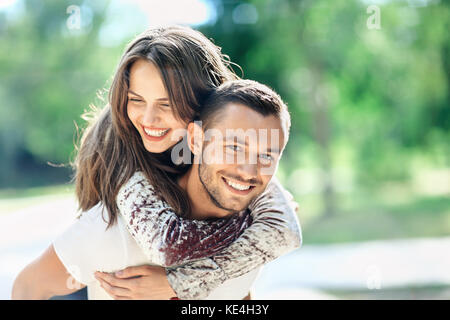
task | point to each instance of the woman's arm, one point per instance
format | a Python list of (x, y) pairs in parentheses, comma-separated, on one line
[(274, 231), (44, 278), (166, 238)]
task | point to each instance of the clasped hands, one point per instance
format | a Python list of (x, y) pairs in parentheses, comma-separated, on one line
[(137, 283)]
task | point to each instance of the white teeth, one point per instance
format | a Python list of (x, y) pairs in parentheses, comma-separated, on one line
[(237, 185), (155, 133)]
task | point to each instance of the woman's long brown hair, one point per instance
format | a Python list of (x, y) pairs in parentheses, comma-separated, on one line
[(111, 149)]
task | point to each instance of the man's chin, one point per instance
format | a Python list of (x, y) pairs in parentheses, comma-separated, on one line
[(235, 208)]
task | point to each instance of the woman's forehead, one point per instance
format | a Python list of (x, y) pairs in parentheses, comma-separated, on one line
[(145, 79)]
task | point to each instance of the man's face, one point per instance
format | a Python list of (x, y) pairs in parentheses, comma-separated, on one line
[(240, 154)]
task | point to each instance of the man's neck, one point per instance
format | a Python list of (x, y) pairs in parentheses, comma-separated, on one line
[(201, 204)]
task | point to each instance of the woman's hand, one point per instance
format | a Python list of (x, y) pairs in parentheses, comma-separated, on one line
[(137, 283)]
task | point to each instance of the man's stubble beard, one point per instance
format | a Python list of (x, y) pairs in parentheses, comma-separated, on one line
[(206, 182), (211, 194)]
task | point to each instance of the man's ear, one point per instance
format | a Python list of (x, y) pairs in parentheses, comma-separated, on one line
[(195, 137)]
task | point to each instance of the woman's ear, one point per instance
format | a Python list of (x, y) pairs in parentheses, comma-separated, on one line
[(195, 137)]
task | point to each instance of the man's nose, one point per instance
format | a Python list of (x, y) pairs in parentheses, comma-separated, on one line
[(248, 171)]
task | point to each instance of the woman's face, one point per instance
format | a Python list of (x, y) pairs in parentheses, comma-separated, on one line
[(149, 108)]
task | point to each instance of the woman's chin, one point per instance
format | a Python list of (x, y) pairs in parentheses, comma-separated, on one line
[(155, 148), (160, 147)]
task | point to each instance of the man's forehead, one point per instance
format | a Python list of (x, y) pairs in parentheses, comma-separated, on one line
[(239, 122), (235, 115)]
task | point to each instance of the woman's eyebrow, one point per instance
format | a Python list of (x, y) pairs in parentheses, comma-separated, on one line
[(160, 99), (134, 93)]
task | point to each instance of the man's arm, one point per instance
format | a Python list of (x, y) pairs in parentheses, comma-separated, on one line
[(44, 278)]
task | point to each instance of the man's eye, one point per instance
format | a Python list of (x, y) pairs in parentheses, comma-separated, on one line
[(266, 158), (234, 148)]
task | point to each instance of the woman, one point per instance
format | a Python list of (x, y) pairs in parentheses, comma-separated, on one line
[(117, 145)]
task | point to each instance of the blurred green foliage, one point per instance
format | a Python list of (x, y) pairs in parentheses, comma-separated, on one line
[(370, 107), (382, 95), (49, 76)]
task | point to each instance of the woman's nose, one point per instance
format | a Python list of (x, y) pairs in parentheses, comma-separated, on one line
[(150, 115)]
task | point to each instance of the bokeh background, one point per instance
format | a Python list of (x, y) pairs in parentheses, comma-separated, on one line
[(367, 84)]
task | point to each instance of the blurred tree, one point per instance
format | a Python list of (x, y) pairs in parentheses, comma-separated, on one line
[(373, 101), (49, 75), (382, 95)]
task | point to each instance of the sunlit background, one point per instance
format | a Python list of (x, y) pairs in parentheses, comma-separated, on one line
[(367, 84)]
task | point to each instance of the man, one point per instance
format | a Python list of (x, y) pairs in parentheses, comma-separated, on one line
[(234, 160)]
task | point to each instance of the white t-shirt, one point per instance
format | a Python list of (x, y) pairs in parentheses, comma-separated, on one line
[(87, 246)]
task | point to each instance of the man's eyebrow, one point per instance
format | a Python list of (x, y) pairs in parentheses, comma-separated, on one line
[(235, 139), (160, 99), (274, 150)]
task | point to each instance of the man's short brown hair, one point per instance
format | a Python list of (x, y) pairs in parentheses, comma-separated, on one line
[(252, 94)]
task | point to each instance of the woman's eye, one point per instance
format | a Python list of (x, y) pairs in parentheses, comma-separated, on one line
[(135, 100), (165, 105)]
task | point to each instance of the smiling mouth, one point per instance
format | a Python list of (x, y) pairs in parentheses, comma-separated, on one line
[(156, 132), (237, 187)]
